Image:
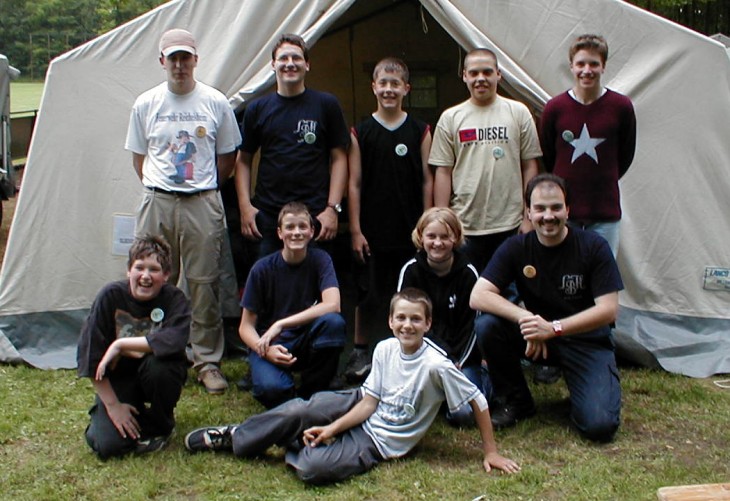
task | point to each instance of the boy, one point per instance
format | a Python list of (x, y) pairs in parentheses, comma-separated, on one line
[(132, 345), (291, 314), (390, 185), (588, 136), (339, 434)]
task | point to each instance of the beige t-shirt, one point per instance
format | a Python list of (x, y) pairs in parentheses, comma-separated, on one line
[(485, 145)]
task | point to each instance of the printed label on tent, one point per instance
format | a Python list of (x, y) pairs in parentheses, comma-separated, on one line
[(716, 279), (122, 234)]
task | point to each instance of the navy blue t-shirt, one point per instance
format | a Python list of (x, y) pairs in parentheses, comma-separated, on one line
[(295, 135), (556, 282), (276, 289)]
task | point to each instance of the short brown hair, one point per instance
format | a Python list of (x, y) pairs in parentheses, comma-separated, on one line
[(443, 215), (483, 51), (151, 245), (292, 39), (392, 65), (412, 295), (294, 208), (589, 42), (545, 178)]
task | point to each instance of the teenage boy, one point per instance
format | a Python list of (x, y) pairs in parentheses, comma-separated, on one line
[(302, 138), (291, 314), (336, 435), (390, 185), (132, 346), (184, 205), (485, 151), (588, 137), (569, 282)]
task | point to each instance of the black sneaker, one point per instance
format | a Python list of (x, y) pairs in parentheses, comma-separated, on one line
[(508, 416), (216, 438), (358, 366), (152, 444), (546, 374)]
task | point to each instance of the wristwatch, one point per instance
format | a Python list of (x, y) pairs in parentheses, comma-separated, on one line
[(335, 207), (557, 328)]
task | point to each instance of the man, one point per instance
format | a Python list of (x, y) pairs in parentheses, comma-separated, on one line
[(302, 138), (485, 151), (588, 135), (569, 282), (186, 209)]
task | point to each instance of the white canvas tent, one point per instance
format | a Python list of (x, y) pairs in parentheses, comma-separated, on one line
[(674, 253)]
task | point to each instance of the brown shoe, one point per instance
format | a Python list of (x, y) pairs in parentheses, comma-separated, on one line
[(213, 380)]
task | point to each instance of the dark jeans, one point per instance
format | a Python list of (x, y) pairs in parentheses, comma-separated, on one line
[(480, 248), (157, 381), (589, 368), (316, 346)]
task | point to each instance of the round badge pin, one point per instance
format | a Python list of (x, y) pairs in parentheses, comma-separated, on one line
[(409, 410), (401, 150), (200, 131), (497, 152), (157, 315), (529, 271), (568, 136), (310, 137)]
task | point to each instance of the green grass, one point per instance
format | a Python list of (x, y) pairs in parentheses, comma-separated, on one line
[(674, 432), (25, 96)]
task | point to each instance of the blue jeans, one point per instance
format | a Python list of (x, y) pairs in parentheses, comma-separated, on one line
[(589, 369), (316, 346), (607, 229), (464, 416)]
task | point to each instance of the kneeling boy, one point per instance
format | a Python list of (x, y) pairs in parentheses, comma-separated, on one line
[(132, 345), (291, 314), (335, 435)]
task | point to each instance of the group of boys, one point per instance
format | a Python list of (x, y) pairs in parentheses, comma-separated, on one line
[(483, 159)]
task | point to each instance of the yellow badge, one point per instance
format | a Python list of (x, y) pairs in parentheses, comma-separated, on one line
[(529, 271), (200, 132)]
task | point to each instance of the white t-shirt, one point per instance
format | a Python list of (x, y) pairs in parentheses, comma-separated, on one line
[(161, 126), (410, 389), (485, 146)]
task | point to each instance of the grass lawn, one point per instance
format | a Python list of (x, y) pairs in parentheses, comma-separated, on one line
[(674, 432), (25, 96)]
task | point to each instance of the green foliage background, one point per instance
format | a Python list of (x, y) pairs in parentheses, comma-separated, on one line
[(32, 32)]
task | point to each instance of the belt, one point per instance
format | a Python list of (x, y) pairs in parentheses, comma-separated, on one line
[(181, 194)]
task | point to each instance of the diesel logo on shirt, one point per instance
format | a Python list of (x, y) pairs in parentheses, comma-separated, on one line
[(483, 134)]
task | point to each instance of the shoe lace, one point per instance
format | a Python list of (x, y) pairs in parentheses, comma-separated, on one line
[(217, 438)]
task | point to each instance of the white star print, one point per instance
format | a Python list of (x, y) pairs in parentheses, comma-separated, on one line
[(585, 144)]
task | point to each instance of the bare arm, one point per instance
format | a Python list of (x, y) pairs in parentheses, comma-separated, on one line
[(359, 413), (243, 168), (492, 458), (529, 170), (225, 164), (485, 296), (442, 187), (338, 184), (360, 245), (138, 162), (134, 347), (427, 172)]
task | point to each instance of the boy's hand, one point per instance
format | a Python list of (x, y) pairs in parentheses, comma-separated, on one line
[(328, 220), (248, 224), (279, 355), (264, 341), (360, 247), (110, 359), (316, 435), (122, 415), (495, 460)]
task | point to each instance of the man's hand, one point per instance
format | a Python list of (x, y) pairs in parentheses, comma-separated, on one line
[(536, 350), (495, 460), (279, 355), (248, 224), (316, 435), (536, 328), (360, 247), (328, 220), (122, 415), (265, 341)]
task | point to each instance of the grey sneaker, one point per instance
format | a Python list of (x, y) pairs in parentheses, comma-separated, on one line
[(213, 380), (546, 374), (152, 444), (215, 438), (358, 366)]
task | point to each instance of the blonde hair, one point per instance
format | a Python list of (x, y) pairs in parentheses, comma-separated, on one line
[(413, 295), (443, 215)]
